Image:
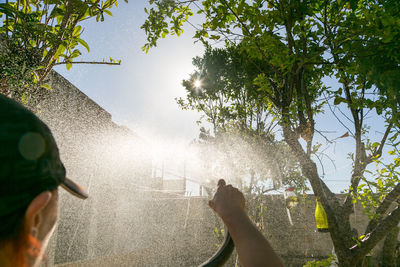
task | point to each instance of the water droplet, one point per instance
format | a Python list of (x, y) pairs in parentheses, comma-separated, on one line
[(31, 146)]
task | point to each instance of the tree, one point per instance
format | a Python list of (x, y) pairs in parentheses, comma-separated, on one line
[(242, 146), (221, 89), (36, 35), (378, 54), (294, 45)]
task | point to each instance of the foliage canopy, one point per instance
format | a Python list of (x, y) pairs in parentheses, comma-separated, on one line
[(36, 35), (291, 48)]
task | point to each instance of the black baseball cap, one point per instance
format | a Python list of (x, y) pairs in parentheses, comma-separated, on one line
[(29, 158)]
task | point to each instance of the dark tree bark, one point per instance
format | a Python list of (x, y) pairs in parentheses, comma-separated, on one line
[(389, 253)]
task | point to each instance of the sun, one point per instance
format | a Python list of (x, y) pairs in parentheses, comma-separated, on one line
[(197, 83)]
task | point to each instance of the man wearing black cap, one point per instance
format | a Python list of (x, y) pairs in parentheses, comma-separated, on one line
[(30, 173)]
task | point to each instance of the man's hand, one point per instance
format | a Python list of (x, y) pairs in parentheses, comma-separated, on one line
[(227, 201), (252, 247)]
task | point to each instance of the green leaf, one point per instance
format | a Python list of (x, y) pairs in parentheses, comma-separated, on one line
[(338, 100), (75, 53), (83, 43), (164, 33), (77, 31), (107, 12), (24, 98), (46, 86), (61, 49)]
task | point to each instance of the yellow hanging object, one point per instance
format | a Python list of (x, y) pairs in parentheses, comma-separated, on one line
[(320, 218)]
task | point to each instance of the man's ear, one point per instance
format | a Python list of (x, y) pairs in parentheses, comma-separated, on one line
[(33, 216)]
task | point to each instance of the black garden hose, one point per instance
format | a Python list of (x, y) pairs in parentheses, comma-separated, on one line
[(222, 255)]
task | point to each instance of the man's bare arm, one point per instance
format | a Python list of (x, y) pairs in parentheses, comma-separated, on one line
[(252, 247)]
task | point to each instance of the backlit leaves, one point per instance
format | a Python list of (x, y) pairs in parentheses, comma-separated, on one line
[(36, 34)]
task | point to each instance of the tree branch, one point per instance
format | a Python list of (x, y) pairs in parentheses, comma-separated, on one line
[(360, 166), (383, 207), (308, 167), (334, 114), (48, 59), (380, 231), (378, 152), (89, 62), (360, 156), (339, 225), (250, 34)]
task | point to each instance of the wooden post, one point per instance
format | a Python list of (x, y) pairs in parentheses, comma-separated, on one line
[(184, 176), (162, 175)]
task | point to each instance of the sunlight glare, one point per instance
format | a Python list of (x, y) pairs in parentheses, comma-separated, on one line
[(197, 83)]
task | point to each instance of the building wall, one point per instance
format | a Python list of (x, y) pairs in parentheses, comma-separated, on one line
[(181, 232), (109, 160)]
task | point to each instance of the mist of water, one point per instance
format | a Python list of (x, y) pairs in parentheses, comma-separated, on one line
[(148, 195)]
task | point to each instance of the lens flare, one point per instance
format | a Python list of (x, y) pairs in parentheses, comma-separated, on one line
[(197, 83)]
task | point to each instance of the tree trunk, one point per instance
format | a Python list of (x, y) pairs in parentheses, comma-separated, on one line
[(389, 255)]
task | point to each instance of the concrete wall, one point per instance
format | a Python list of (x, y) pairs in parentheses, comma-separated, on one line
[(100, 155), (180, 232)]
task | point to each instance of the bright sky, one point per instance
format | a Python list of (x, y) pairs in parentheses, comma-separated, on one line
[(140, 93)]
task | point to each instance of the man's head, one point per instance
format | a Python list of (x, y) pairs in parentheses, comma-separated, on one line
[(30, 173)]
